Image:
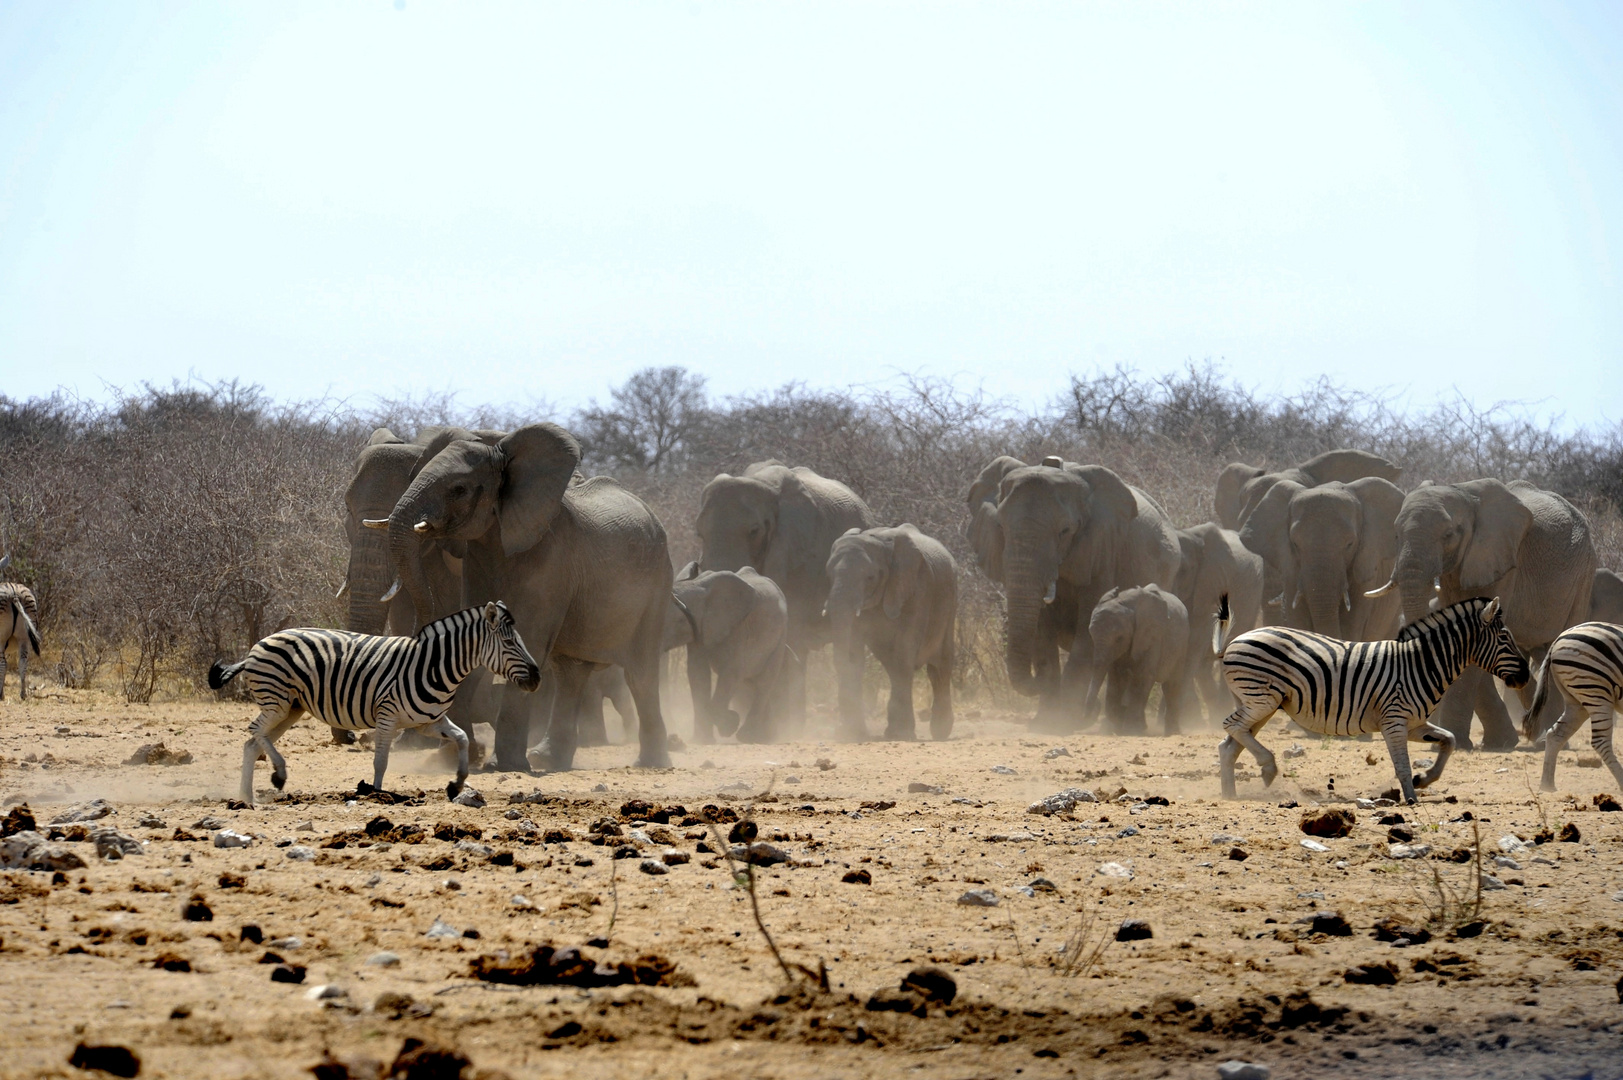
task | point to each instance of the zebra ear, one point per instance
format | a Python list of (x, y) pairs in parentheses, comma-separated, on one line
[(1490, 611), (493, 613)]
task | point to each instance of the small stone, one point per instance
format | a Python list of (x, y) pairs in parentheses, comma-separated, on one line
[(1491, 883), (151, 821), (228, 838), (1239, 854), (920, 788), (469, 797), (1222, 838), (325, 992), (1506, 862), (287, 973), (1134, 930), (1114, 870), (93, 810), (1242, 1070), (112, 844), (1408, 851), (1042, 884), (1056, 752), (306, 825), (1372, 974), (522, 902), (1296, 750), (673, 857), (1331, 822), (931, 983), (1003, 770), (791, 779), (384, 959), (1061, 801), (210, 823), (979, 898), (442, 929), (859, 876), (601, 787), (761, 853), (653, 867), (1025, 890), (300, 853), (113, 1060), (1314, 845), (197, 910), (1131, 830), (289, 943), (1328, 923)]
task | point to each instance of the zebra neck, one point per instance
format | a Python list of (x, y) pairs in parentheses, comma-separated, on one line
[(1435, 662), (446, 655)]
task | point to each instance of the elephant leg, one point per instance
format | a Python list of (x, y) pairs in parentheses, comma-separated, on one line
[(1498, 733), (1137, 700), (1555, 740), (899, 718), (512, 730), (940, 700), (757, 726), (642, 679), (848, 671), (447, 730), (1174, 692), (619, 694), (593, 730), (541, 705), (721, 704), (1601, 721), (1453, 714), (699, 688), (556, 752)]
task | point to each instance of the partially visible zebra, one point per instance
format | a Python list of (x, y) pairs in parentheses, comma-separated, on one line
[(1586, 664), (359, 681), (19, 618), (1340, 687)]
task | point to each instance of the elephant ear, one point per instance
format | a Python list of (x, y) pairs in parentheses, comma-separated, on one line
[(1377, 530), (1346, 466), (794, 531), (383, 436), (986, 537), (728, 599), (1230, 498), (1111, 498), (906, 567), (1267, 528), (1149, 621), (1502, 520), (538, 461)]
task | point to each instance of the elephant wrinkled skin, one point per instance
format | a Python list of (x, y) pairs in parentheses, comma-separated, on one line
[(1140, 637), (895, 591), (1485, 538), (735, 625)]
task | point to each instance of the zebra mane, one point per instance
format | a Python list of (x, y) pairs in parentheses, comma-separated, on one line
[(450, 623), (1448, 614)]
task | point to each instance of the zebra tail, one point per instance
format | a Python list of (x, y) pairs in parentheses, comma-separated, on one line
[(1540, 691), (220, 673), (29, 629), (1223, 618)]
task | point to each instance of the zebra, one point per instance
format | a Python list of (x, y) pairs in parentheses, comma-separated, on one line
[(1586, 665), (1340, 687), (361, 681), (19, 618)]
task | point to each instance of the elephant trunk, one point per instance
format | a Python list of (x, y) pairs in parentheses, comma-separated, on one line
[(1026, 588), (368, 577), (1325, 589), (1415, 573), (843, 606), (406, 551)]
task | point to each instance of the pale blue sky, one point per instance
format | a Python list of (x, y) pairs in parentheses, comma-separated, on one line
[(531, 200)]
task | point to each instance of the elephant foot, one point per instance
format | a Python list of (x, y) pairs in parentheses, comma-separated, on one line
[(853, 735), (1547, 786), (727, 722), (941, 730), (900, 735), (1499, 746), (660, 760), (748, 734)]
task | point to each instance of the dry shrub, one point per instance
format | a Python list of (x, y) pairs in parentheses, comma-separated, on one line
[(169, 527)]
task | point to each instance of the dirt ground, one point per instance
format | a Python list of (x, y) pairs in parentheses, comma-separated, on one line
[(1236, 968)]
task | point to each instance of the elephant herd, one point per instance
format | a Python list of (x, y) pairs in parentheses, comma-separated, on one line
[(1105, 596)]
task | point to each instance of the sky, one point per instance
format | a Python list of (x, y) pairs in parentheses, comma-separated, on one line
[(529, 202)]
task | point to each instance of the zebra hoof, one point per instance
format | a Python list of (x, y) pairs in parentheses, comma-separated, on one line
[(453, 789), (1269, 772), (279, 780)]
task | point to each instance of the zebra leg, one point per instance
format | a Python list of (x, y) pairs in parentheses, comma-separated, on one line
[(383, 738), (269, 720), (1445, 749), (1555, 740), (447, 730), (21, 645), (1395, 730), (22, 667), (1600, 737), (1242, 729)]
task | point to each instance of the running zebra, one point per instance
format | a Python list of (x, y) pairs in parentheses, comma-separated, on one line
[(1586, 664), (358, 681), (19, 618), (1340, 687)]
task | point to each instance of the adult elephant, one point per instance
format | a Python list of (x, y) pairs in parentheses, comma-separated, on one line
[(1240, 487), (1064, 533), (582, 565), (1213, 563), (782, 521), (1606, 601), (1330, 545), (1528, 546)]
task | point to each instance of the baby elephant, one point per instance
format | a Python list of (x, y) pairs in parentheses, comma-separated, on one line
[(1140, 637), (894, 590), (734, 625)]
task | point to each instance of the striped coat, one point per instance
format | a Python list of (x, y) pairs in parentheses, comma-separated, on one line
[(19, 619), (1585, 664), (1341, 687), (359, 682)]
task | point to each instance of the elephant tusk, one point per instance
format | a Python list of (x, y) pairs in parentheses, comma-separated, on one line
[(1437, 586), (1053, 591), (390, 595), (342, 589), (421, 527), (375, 523), (1391, 583), (1346, 599), (1278, 601)]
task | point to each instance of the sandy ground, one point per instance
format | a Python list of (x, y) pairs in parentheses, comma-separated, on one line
[(1231, 971)]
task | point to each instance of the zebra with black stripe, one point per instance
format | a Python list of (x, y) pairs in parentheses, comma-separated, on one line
[(1586, 665), (1337, 687), (358, 682), (19, 619)]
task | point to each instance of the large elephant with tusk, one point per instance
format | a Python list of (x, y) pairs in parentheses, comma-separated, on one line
[(1058, 536), (1528, 546), (582, 565)]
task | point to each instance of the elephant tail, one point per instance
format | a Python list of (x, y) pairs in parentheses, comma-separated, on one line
[(1224, 617), (220, 674), (1540, 692)]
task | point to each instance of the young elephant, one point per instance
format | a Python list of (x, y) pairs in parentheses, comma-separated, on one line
[(735, 624), (1140, 637), (895, 591)]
